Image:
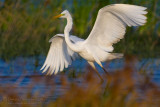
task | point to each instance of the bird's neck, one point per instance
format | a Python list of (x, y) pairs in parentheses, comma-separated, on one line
[(68, 28)]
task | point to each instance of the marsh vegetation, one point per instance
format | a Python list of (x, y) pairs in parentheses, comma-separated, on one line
[(27, 25)]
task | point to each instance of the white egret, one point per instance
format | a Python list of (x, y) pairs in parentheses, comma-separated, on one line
[(109, 28)]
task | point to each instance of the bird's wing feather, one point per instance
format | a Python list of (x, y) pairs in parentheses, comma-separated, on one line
[(59, 55), (111, 22)]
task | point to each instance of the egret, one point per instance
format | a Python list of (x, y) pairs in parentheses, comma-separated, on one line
[(109, 28)]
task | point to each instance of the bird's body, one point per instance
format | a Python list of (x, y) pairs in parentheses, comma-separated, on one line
[(109, 28)]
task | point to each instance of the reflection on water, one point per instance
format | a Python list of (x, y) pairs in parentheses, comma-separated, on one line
[(24, 73)]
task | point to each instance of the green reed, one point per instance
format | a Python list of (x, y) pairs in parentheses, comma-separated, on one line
[(27, 25)]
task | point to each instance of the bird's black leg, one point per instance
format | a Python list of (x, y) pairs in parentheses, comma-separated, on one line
[(99, 75), (93, 66), (105, 70)]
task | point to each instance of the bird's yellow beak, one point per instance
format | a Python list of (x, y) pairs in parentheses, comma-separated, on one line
[(55, 17)]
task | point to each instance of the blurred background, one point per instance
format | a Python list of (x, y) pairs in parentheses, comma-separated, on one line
[(26, 27)]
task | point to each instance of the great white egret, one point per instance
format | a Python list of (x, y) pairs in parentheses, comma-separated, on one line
[(109, 28)]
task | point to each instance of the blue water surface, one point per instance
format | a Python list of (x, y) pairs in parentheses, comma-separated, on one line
[(29, 68)]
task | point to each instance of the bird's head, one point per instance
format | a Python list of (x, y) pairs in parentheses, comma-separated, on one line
[(64, 14)]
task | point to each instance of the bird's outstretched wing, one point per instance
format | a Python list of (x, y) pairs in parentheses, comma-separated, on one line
[(59, 55), (111, 22)]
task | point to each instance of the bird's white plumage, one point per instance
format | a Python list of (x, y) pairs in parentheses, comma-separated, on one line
[(111, 22), (109, 28), (59, 55)]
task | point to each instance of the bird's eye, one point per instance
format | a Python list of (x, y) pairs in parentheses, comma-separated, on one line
[(63, 14)]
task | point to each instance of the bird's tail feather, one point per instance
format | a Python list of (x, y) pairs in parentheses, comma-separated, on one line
[(116, 55)]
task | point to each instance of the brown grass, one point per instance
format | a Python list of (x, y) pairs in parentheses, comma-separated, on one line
[(123, 88)]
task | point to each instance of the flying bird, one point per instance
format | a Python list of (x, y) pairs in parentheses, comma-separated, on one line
[(109, 28)]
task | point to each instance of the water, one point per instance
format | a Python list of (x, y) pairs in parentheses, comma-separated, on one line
[(26, 67), (23, 74)]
